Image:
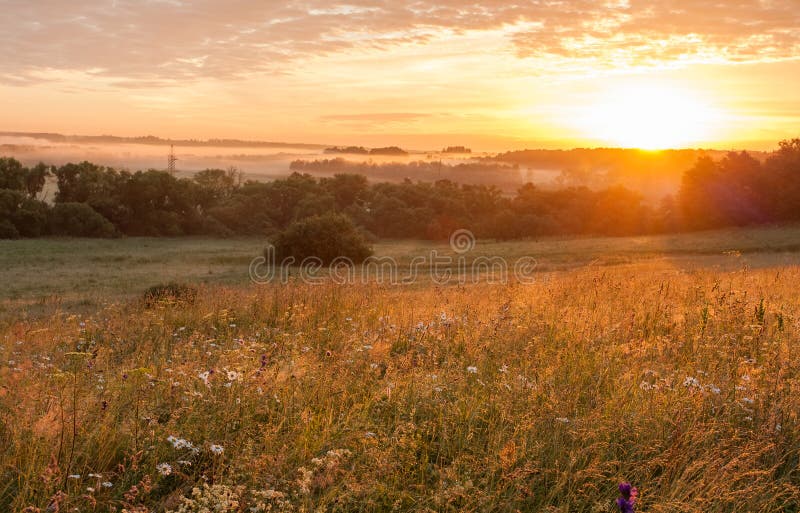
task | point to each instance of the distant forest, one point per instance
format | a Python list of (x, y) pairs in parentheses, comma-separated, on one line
[(97, 201), (157, 141)]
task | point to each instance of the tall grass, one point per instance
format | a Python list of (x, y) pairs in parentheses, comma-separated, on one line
[(366, 398)]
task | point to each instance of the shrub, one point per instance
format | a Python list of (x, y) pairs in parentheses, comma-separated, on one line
[(21, 215), (326, 237), (79, 220), (170, 292), (8, 230)]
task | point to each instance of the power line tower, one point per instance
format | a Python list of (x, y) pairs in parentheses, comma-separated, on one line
[(171, 160)]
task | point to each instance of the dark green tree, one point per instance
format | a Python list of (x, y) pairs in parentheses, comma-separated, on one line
[(325, 237)]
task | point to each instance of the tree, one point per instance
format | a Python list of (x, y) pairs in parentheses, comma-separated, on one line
[(325, 237), (12, 174), (347, 189), (35, 179), (86, 182), (79, 220), (159, 204), (781, 186), (697, 195), (216, 184), (21, 215)]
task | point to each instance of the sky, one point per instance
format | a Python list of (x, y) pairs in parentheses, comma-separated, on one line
[(489, 74)]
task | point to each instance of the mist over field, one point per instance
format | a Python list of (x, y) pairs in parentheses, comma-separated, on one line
[(653, 174)]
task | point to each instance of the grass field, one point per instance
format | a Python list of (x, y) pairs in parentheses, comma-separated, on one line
[(671, 362), (90, 271)]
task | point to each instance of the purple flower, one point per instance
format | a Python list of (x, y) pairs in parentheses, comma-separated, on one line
[(625, 506), (627, 502)]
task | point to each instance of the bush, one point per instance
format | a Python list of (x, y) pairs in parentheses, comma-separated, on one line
[(21, 215), (170, 292), (79, 220), (326, 237), (8, 230)]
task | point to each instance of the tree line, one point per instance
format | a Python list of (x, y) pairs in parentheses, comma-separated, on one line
[(98, 201)]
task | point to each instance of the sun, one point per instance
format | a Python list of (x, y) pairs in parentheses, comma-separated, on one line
[(649, 117)]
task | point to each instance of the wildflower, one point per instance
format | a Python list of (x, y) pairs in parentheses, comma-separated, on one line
[(472, 369), (181, 443), (74, 476), (233, 375), (562, 420), (217, 449), (106, 484), (627, 502), (90, 489), (204, 376), (691, 382), (747, 400), (503, 369), (304, 480), (164, 469)]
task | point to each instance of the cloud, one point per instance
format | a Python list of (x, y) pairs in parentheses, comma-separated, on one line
[(151, 43), (643, 33)]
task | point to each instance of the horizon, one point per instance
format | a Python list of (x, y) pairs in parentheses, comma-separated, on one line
[(759, 147), (414, 74)]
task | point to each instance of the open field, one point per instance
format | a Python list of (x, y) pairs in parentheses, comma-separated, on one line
[(671, 362), (93, 269)]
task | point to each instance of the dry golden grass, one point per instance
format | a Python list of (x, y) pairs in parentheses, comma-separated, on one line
[(365, 398)]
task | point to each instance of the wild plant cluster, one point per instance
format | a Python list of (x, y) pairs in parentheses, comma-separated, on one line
[(479, 398)]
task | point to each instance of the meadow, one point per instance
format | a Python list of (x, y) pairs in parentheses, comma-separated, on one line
[(667, 361)]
